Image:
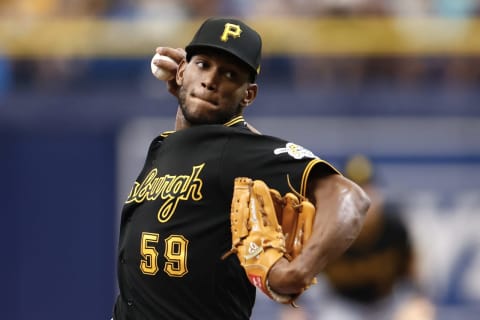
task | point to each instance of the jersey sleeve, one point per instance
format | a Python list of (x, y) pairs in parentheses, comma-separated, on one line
[(283, 165)]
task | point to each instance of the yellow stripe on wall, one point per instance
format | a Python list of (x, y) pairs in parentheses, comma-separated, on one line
[(346, 36)]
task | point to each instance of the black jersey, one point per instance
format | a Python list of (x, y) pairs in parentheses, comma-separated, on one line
[(175, 224)]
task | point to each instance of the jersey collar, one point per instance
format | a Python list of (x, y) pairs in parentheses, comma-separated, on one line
[(239, 120)]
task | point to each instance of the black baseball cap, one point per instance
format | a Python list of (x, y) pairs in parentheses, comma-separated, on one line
[(232, 36)]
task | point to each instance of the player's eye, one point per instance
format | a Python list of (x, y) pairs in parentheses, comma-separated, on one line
[(201, 64), (230, 75)]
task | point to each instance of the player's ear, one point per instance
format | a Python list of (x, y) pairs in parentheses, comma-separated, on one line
[(180, 72), (250, 94)]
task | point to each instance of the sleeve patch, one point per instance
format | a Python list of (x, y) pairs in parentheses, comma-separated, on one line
[(295, 151)]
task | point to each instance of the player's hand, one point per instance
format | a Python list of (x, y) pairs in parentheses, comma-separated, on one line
[(177, 55), (284, 278)]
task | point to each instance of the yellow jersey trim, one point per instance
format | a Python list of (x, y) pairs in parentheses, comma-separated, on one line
[(166, 133), (234, 121), (308, 170)]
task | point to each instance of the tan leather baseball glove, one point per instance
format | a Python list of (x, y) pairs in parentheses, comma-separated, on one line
[(257, 237)]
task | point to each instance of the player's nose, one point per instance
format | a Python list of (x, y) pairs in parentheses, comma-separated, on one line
[(210, 79)]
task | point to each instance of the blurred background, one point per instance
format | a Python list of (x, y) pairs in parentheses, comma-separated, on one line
[(392, 83)]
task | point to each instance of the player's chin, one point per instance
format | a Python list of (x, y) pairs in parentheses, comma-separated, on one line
[(199, 111), (203, 116), (203, 112)]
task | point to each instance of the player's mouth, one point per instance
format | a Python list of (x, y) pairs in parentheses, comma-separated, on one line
[(206, 99)]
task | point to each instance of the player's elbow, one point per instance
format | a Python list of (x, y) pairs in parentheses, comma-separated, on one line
[(363, 202), (358, 203)]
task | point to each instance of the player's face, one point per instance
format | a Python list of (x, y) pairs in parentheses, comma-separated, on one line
[(214, 88)]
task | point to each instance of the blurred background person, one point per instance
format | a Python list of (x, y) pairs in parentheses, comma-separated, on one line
[(375, 279)]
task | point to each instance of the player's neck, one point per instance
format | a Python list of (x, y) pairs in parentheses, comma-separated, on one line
[(180, 121)]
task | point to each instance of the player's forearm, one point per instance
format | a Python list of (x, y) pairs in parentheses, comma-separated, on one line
[(341, 206)]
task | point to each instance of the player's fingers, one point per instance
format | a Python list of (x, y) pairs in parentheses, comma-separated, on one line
[(182, 51), (168, 66), (177, 54)]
